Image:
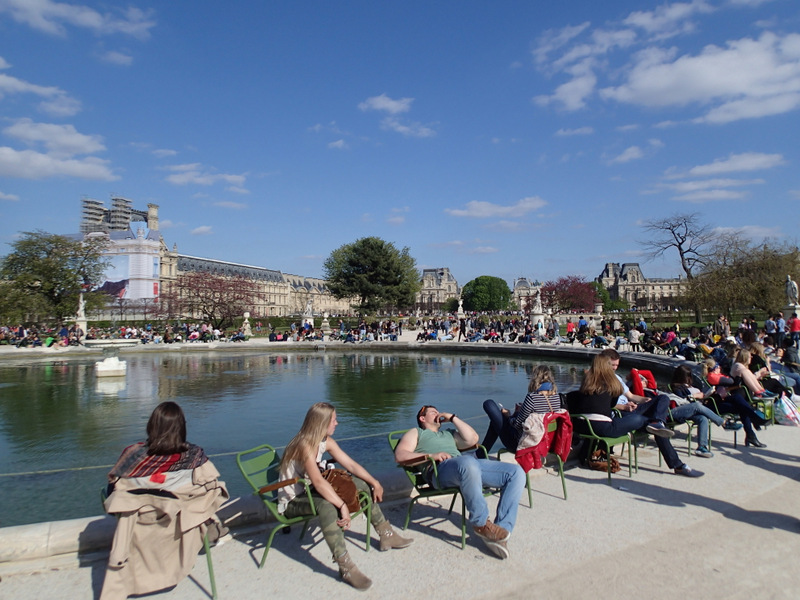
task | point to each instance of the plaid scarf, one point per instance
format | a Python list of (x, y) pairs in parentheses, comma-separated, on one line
[(136, 462)]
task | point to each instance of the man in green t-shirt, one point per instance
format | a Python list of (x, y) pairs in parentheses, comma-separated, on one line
[(466, 472)]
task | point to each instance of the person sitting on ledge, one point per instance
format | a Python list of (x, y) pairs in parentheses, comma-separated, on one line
[(466, 472)]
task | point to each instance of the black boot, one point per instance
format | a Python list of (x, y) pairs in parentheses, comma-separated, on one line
[(753, 441)]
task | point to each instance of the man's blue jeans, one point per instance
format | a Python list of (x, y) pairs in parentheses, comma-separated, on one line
[(471, 474), (701, 415), (654, 410)]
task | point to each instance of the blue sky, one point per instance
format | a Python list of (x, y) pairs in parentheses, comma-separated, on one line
[(509, 139)]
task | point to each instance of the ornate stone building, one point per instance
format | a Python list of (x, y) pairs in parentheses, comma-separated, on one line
[(438, 286), (152, 267), (628, 283), (525, 294)]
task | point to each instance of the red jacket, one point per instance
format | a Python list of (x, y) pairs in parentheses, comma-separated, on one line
[(559, 442)]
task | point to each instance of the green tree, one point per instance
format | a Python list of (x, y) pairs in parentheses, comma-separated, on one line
[(45, 273), (740, 274), (375, 273), (450, 305), (486, 293), (605, 298)]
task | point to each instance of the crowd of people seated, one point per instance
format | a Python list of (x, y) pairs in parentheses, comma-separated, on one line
[(34, 337)]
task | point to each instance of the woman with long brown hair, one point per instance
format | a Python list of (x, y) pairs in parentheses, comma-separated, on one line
[(165, 493), (303, 458), (598, 395)]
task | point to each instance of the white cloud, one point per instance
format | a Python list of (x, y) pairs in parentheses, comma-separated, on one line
[(629, 154), (195, 173), (624, 128), (795, 194), (165, 224), (578, 131), (668, 20), (9, 197), (386, 104), (57, 102), (751, 231), (60, 106), (202, 230), (164, 152), (483, 250), (710, 196), (655, 143), (233, 205), (117, 58), (28, 164), (51, 17), (747, 161), (509, 226), (484, 210), (59, 140), (745, 79), (396, 219), (237, 190), (573, 94), (338, 144), (410, 130), (753, 3), (705, 184), (553, 40)]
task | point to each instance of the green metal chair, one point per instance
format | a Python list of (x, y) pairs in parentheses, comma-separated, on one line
[(206, 548), (551, 427), (261, 468), (415, 471), (596, 441), (672, 424)]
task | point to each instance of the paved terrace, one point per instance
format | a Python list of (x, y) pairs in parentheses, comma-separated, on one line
[(731, 534)]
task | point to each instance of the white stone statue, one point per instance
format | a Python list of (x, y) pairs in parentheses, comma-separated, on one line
[(309, 308), (82, 308), (791, 291)]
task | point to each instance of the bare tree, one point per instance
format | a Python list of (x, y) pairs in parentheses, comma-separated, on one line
[(683, 232)]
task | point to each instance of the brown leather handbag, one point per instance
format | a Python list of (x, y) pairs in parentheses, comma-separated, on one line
[(342, 483)]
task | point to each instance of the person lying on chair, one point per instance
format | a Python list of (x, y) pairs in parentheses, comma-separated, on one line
[(466, 472)]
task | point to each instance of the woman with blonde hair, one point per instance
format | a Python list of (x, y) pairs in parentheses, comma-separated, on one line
[(542, 397), (303, 459), (741, 370), (598, 395)]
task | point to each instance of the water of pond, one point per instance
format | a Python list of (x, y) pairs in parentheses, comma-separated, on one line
[(61, 428)]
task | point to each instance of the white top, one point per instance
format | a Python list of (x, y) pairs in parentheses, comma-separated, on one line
[(296, 469)]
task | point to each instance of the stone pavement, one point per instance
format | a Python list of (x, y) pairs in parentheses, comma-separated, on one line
[(733, 533)]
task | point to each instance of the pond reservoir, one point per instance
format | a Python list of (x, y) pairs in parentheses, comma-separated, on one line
[(62, 428)]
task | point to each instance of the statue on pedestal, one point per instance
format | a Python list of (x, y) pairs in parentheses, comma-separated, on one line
[(791, 291), (246, 330)]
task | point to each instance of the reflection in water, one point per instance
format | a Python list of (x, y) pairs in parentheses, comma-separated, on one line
[(61, 428)]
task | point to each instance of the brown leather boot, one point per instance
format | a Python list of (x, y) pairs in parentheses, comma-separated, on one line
[(350, 573), (390, 538)]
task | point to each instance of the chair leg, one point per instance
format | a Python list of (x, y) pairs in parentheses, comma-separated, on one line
[(207, 548), (528, 485), (369, 525), (463, 523), (270, 537), (561, 473)]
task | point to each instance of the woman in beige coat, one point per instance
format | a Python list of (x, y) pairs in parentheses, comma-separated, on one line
[(165, 493)]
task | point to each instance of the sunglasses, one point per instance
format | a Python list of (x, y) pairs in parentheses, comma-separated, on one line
[(424, 410)]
